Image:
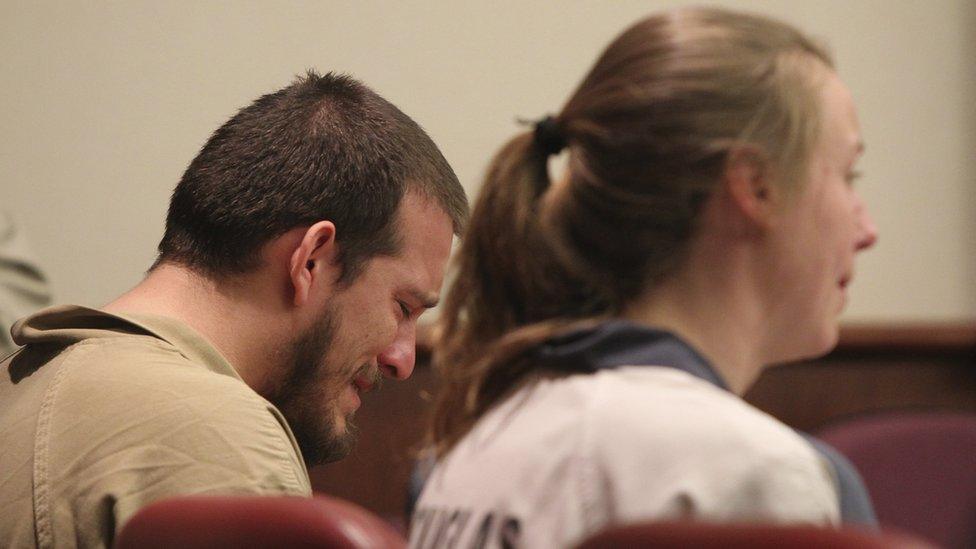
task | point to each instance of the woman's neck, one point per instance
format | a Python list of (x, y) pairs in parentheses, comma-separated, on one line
[(715, 309)]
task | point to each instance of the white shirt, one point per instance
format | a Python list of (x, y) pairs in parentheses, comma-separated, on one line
[(563, 458)]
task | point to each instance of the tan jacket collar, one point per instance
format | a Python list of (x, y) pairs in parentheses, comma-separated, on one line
[(69, 324)]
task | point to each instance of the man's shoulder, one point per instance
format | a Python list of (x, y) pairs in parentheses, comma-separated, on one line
[(139, 399), (125, 371), (128, 376), (139, 389), (132, 420), (133, 362)]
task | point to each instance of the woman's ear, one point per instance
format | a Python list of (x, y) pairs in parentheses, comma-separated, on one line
[(313, 260), (748, 181)]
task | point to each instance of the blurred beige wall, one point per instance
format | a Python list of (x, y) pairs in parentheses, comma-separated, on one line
[(103, 104)]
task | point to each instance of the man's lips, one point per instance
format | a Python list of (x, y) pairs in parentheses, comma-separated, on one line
[(362, 385), (366, 380)]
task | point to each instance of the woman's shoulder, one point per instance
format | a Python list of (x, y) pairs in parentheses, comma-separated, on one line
[(658, 404), (711, 453)]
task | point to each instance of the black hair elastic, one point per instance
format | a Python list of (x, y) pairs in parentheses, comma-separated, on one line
[(549, 136)]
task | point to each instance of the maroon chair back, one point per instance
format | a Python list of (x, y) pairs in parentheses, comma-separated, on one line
[(920, 469), (681, 535), (252, 522)]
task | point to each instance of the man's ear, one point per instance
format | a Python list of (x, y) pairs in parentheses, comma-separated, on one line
[(313, 259), (748, 181)]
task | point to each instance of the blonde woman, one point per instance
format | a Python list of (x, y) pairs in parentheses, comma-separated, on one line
[(603, 324)]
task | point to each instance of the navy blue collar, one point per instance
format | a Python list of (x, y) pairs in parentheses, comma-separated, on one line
[(620, 343)]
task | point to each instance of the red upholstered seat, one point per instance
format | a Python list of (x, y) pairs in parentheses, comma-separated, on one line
[(681, 535), (920, 469), (197, 522)]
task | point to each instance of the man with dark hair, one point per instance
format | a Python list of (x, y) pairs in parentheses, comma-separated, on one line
[(301, 245)]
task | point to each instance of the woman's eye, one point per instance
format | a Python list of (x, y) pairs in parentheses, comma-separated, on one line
[(853, 176), (404, 309)]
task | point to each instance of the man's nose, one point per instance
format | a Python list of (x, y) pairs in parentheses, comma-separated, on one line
[(397, 360)]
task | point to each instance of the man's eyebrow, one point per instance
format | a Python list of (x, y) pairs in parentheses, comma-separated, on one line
[(427, 300)]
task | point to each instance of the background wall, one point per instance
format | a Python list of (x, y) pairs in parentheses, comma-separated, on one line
[(104, 104)]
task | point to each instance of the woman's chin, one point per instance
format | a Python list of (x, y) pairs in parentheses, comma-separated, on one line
[(817, 344)]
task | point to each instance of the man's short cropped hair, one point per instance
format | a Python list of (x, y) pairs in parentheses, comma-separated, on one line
[(323, 148)]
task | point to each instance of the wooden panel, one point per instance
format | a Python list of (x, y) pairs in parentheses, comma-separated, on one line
[(947, 338), (809, 395), (873, 368)]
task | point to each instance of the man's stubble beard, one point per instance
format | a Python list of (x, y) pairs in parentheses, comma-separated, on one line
[(308, 398)]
